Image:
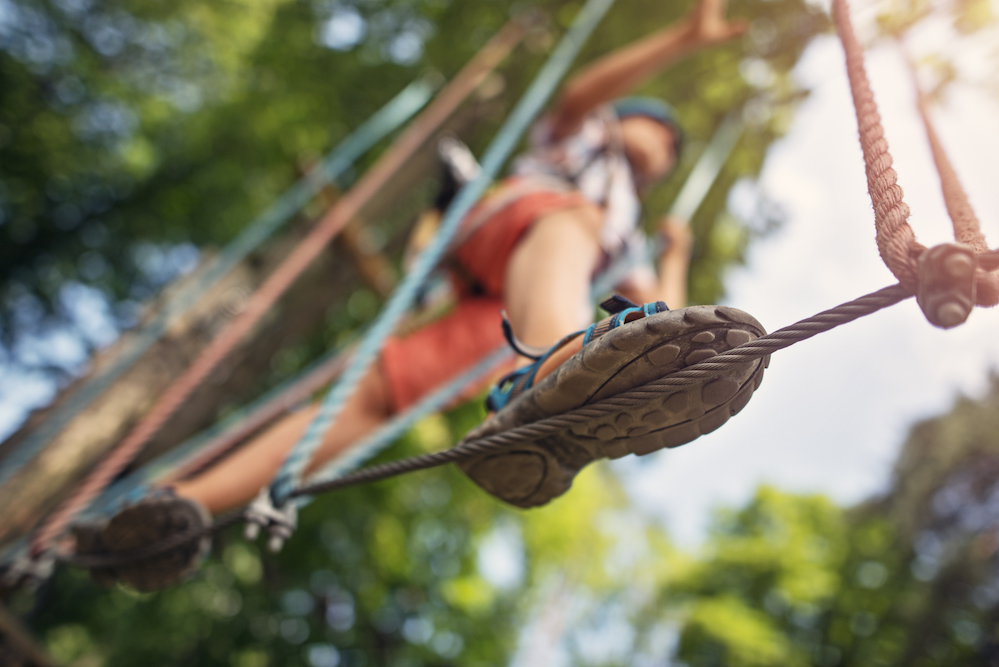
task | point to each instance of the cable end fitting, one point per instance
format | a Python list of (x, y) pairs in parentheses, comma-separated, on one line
[(27, 571), (947, 284), (279, 522)]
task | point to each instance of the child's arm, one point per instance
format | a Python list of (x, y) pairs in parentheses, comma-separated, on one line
[(622, 70), (673, 265)]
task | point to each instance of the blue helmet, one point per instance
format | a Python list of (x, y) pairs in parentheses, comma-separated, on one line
[(655, 109)]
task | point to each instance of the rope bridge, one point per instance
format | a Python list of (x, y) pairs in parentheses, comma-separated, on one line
[(948, 282)]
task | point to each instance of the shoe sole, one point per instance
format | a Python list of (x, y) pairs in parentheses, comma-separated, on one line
[(148, 522), (534, 472)]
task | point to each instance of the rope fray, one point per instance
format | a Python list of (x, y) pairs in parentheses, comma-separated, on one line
[(941, 281)]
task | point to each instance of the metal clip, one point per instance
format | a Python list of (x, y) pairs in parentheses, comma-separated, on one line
[(30, 572), (947, 284), (280, 523)]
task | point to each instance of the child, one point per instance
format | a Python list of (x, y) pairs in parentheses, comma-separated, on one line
[(532, 248)]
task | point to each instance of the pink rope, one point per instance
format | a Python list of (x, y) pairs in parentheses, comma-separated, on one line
[(896, 240), (967, 229)]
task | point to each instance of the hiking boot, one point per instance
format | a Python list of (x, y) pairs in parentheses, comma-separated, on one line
[(637, 345)]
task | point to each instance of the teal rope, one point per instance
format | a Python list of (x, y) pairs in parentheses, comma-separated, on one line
[(397, 426), (290, 474), (387, 119)]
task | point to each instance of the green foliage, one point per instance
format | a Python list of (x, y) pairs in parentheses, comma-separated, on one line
[(910, 579), (771, 566)]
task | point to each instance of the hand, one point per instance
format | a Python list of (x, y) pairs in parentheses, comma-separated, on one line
[(677, 237), (708, 25)]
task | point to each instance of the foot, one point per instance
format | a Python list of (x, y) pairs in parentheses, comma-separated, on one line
[(634, 347), (151, 520)]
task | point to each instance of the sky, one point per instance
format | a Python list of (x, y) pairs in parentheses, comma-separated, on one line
[(833, 411)]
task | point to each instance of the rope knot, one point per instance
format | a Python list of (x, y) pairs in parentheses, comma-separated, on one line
[(947, 284)]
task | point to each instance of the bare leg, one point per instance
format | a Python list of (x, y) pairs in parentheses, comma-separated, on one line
[(239, 477), (547, 285), (547, 297)]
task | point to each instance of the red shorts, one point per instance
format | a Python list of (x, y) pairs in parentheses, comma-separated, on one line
[(417, 364)]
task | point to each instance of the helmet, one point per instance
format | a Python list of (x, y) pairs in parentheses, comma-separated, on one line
[(655, 109)]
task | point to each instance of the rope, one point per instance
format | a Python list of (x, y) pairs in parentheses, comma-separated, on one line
[(498, 442), (896, 240), (707, 168), (205, 449), (395, 428), (504, 143), (967, 229), (753, 350), (282, 278), (336, 163), (263, 412)]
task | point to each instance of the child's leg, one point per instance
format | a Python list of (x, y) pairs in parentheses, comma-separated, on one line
[(409, 369), (239, 477), (547, 284)]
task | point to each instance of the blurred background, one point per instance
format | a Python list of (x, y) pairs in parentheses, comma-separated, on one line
[(846, 517)]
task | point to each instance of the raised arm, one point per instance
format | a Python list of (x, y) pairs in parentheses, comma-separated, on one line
[(620, 71), (673, 264)]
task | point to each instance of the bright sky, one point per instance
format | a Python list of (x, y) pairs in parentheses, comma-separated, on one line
[(833, 411)]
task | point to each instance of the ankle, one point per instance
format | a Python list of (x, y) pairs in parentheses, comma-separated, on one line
[(559, 357)]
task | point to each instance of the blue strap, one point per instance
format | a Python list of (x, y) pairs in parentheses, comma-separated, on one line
[(521, 379), (339, 160), (541, 89)]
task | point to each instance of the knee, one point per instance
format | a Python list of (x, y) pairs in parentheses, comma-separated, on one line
[(584, 220)]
